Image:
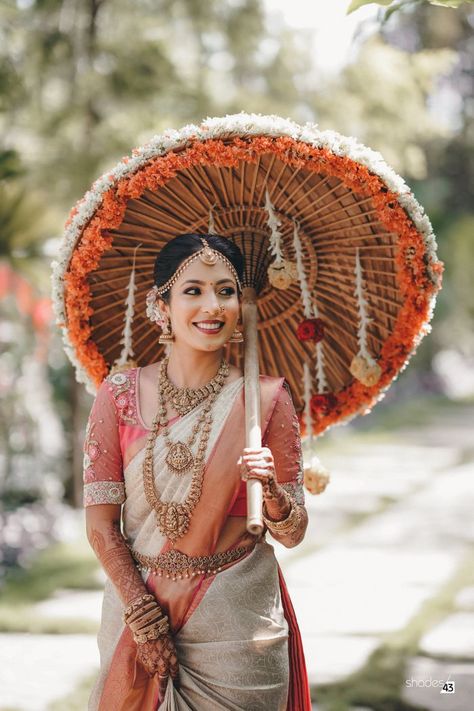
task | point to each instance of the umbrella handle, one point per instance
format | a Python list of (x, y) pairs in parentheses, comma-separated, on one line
[(253, 432)]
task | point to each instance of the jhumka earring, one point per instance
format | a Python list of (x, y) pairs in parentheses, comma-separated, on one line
[(155, 315), (166, 335), (237, 337)]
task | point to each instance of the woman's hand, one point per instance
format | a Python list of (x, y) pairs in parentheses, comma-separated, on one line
[(158, 656), (257, 463)]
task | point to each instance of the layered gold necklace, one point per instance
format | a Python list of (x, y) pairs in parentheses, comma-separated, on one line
[(174, 518)]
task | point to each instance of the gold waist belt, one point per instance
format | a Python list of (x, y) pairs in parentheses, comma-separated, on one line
[(177, 565)]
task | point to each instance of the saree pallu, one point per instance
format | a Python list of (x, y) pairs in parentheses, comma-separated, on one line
[(237, 639)]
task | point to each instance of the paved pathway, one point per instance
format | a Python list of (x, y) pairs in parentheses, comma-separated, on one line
[(388, 533)]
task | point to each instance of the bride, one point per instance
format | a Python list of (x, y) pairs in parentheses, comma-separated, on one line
[(196, 614)]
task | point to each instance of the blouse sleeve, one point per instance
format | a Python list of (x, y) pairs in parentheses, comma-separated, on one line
[(103, 466), (283, 438)]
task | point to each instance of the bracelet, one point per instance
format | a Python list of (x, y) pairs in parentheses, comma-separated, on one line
[(287, 525), (137, 604), (140, 611), (148, 616), (156, 631)]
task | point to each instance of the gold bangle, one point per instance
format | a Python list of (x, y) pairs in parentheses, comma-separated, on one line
[(161, 625), (154, 633), (149, 616), (137, 603), (142, 611), (287, 525)]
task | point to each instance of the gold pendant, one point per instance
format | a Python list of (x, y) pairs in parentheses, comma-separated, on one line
[(173, 520), (179, 458)]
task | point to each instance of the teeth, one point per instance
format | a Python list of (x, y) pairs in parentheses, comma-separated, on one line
[(209, 327)]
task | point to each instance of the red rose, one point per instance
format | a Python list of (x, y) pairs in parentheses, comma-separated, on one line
[(311, 329), (322, 404)]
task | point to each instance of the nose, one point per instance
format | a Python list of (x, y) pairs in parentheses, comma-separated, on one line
[(212, 304)]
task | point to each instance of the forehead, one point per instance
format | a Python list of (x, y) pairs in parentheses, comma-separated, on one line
[(206, 272)]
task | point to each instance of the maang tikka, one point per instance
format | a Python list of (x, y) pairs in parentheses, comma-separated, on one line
[(208, 256)]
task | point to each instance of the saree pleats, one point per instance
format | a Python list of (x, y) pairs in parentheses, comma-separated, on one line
[(233, 651)]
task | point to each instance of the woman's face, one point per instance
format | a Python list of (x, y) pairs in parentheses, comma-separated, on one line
[(194, 304)]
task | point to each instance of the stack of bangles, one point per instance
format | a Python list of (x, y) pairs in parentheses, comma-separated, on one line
[(146, 619), (289, 524)]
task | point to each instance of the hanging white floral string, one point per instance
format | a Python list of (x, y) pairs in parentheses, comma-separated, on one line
[(125, 359), (307, 403), (316, 476), (211, 230), (281, 272), (312, 328), (363, 366)]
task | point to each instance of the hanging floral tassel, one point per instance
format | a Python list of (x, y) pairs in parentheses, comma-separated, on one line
[(125, 359), (211, 230), (281, 272), (363, 367), (316, 476), (312, 328)]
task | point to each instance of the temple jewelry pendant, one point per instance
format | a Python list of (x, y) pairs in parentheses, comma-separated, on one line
[(179, 458)]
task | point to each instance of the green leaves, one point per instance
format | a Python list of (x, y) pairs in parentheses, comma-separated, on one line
[(356, 4)]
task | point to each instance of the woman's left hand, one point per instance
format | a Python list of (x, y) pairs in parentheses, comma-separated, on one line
[(257, 463)]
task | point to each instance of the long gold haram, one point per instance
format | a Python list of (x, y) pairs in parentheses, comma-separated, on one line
[(174, 518)]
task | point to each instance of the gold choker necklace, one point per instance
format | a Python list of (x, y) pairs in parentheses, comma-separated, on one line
[(184, 399)]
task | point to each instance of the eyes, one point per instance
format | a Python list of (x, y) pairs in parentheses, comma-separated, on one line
[(229, 290)]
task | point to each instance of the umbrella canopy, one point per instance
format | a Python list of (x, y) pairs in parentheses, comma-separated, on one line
[(341, 256)]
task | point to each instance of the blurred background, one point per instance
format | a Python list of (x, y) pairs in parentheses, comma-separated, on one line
[(383, 584)]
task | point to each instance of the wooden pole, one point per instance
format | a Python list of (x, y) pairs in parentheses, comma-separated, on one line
[(253, 432)]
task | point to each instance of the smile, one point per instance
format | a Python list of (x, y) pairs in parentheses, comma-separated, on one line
[(209, 326)]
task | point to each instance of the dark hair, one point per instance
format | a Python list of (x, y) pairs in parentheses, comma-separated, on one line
[(179, 248)]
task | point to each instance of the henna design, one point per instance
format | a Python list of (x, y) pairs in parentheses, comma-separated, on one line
[(111, 549), (159, 656)]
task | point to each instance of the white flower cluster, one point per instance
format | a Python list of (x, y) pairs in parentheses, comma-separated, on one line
[(241, 124)]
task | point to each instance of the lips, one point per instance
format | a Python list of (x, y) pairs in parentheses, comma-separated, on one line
[(209, 326)]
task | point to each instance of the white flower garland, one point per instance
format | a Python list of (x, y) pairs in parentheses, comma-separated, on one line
[(310, 309), (364, 320), (214, 128), (127, 350), (307, 401), (275, 235), (211, 229)]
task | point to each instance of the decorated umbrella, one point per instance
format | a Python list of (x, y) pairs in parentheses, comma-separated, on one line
[(341, 273)]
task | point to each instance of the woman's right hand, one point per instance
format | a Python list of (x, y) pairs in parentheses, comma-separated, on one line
[(158, 656)]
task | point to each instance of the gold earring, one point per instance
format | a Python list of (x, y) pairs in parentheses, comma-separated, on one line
[(237, 337), (166, 336)]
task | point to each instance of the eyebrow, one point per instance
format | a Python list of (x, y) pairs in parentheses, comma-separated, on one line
[(196, 281)]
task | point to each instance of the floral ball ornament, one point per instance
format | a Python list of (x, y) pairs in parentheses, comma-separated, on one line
[(282, 274), (322, 404), (311, 329), (316, 476), (366, 370)]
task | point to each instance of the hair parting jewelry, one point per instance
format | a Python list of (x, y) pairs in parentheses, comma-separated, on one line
[(207, 255)]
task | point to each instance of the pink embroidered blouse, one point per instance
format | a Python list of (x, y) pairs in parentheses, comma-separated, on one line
[(116, 431)]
